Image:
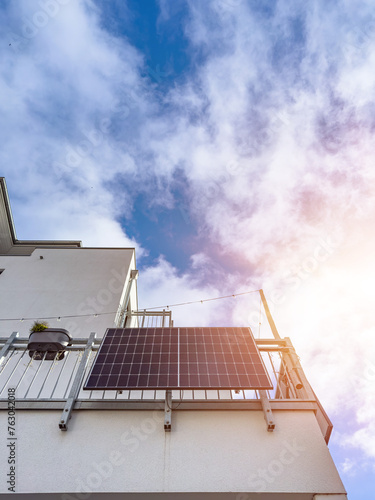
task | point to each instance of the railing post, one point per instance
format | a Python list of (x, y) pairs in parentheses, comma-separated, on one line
[(69, 405)]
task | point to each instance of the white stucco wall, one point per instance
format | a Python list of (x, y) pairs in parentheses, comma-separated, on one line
[(211, 451), (65, 282)]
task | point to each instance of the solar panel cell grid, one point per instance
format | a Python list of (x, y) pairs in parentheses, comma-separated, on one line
[(183, 358)]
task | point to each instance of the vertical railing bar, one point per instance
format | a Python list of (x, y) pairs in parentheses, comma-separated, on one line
[(273, 371), (36, 373), (27, 367), (49, 371), (4, 351), (91, 355), (283, 368), (59, 375), (276, 373), (305, 390), (10, 376), (71, 373), (290, 382), (273, 366), (6, 360)]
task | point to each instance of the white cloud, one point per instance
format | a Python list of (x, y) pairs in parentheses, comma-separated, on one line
[(62, 86)]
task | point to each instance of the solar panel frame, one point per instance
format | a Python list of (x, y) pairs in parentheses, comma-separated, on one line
[(178, 358)]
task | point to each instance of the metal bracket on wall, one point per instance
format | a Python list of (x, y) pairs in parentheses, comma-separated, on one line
[(69, 405), (168, 411), (268, 417)]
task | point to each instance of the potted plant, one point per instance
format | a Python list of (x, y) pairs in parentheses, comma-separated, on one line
[(45, 342)]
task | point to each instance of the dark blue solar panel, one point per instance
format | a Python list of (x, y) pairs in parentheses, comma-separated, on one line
[(178, 358)]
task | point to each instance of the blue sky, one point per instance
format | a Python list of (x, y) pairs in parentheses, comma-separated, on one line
[(230, 142)]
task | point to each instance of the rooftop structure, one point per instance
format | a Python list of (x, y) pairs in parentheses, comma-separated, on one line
[(214, 436)]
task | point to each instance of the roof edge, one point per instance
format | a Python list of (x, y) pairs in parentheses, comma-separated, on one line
[(3, 187), (12, 228)]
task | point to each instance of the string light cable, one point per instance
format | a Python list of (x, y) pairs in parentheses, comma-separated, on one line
[(233, 295)]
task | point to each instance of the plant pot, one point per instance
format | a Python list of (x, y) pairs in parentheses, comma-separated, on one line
[(47, 343)]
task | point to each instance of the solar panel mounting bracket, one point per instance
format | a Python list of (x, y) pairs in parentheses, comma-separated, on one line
[(267, 411), (69, 405), (168, 411)]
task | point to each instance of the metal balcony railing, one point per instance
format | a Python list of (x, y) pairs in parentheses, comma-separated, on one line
[(52, 384), (150, 319)]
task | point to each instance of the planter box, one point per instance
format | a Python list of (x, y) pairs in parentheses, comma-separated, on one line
[(50, 341)]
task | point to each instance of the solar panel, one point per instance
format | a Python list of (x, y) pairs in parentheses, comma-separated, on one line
[(178, 358)]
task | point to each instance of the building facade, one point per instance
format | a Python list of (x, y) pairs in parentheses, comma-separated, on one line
[(68, 443)]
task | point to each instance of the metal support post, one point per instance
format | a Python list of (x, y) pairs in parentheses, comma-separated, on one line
[(269, 316), (168, 411), (5, 349), (74, 391), (268, 417), (133, 277)]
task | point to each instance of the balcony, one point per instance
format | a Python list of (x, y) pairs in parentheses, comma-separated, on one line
[(57, 384)]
